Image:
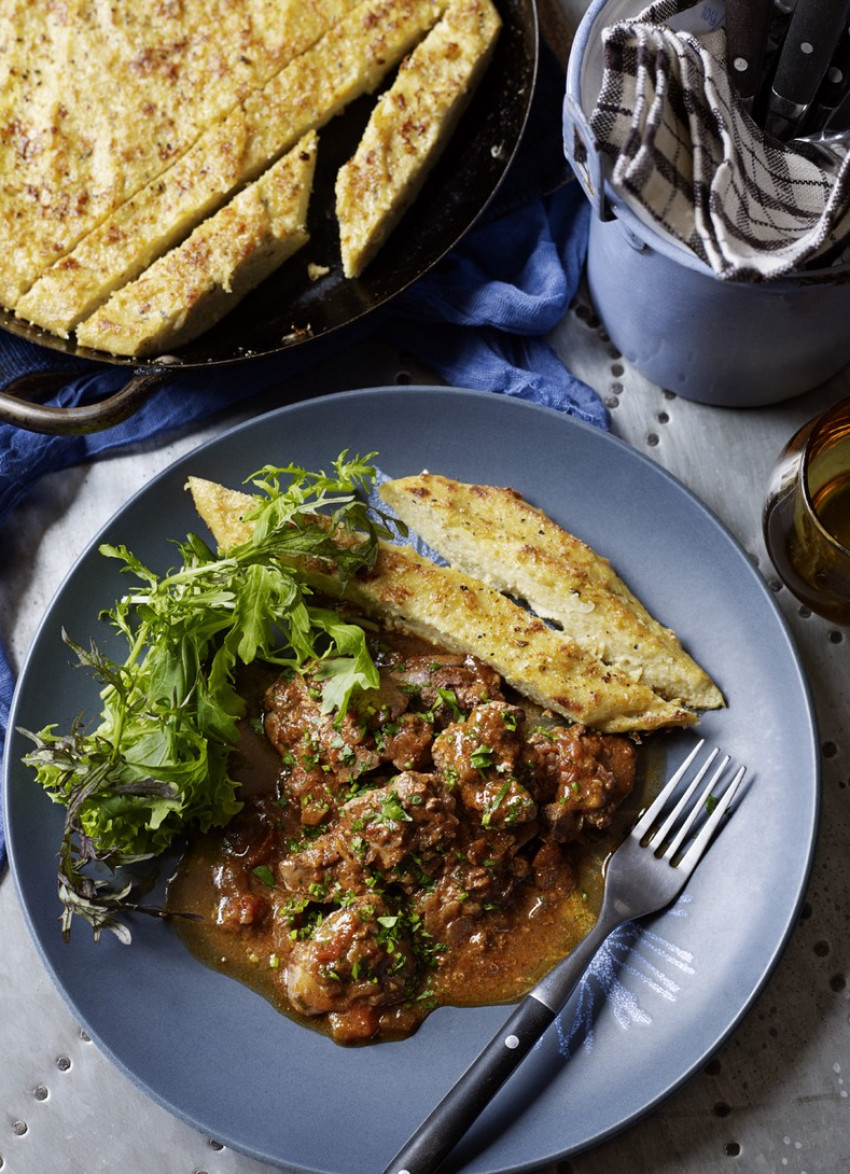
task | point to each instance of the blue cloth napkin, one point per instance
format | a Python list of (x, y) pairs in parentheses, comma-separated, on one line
[(478, 319)]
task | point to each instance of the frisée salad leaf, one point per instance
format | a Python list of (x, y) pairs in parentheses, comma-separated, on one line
[(156, 763)]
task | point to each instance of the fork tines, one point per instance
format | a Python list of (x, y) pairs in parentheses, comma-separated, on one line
[(673, 832)]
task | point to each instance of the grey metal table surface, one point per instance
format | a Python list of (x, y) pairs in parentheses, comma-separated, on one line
[(775, 1096)]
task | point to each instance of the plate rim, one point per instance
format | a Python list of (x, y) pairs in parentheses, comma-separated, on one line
[(329, 402)]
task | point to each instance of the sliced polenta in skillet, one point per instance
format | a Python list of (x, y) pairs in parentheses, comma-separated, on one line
[(193, 286), (99, 100), (410, 126), (350, 60)]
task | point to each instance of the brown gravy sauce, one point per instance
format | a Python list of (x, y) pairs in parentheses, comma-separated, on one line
[(524, 939)]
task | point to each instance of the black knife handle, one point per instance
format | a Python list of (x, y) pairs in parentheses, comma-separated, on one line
[(812, 36), (836, 83), (747, 24)]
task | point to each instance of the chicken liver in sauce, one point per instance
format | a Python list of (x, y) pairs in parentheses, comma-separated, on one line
[(441, 843)]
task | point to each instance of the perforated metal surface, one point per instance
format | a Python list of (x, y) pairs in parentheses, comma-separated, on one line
[(775, 1097)]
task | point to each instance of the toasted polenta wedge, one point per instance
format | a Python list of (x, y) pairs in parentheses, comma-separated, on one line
[(410, 126), (349, 60), (223, 511), (98, 100), (189, 289), (129, 240), (460, 613), (497, 536)]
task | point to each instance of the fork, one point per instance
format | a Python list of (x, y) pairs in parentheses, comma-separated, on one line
[(644, 875)]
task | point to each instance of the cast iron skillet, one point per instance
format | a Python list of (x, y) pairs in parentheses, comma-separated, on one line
[(291, 310)]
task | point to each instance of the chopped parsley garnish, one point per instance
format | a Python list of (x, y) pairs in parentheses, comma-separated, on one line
[(449, 699), (491, 807), (481, 758), (392, 810)]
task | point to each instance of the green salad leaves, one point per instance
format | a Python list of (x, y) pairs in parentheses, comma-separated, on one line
[(157, 762)]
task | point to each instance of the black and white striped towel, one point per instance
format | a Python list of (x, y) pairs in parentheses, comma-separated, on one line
[(681, 145)]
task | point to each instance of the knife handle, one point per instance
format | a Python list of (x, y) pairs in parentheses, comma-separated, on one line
[(835, 86), (747, 24), (812, 35)]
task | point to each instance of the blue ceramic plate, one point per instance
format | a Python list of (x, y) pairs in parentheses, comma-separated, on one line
[(658, 1001)]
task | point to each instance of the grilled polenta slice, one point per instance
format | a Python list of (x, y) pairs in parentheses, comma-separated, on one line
[(409, 128), (97, 100), (350, 59), (189, 289), (497, 536), (460, 613), (125, 244)]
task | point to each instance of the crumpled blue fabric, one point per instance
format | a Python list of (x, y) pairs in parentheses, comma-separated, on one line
[(478, 319), (521, 269)]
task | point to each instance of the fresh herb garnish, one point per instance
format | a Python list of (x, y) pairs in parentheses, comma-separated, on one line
[(449, 699), (481, 758), (493, 805), (392, 810), (157, 762)]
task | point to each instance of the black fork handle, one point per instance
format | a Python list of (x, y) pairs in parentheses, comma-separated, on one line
[(429, 1146)]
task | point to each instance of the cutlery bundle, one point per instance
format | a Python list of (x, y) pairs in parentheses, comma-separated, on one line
[(790, 62)]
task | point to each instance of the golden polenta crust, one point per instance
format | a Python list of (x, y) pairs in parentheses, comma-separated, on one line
[(410, 127), (192, 287), (349, 59), (461, 613), (494, 534), (98, 100)]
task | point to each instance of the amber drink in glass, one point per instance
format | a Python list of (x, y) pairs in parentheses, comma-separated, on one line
[(807, 514)]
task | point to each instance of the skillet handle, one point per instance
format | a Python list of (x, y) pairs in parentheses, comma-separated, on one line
[(36, 417)]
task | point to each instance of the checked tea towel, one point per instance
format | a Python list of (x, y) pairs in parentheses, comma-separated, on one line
[(682, 147)]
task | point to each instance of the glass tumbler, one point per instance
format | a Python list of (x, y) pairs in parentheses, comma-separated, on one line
[(807, 514)]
